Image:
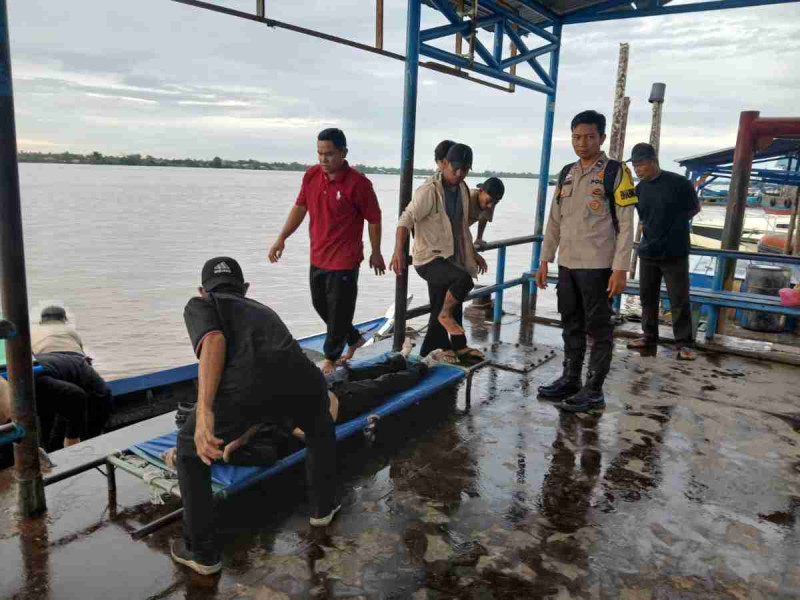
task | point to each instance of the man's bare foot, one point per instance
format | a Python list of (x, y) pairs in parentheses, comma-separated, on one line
[(450, 324), (408, 346), (169, 458), (351, 350), (328, 366)]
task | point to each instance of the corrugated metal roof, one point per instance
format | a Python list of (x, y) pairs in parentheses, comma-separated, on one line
[(777, 149), (560, 7)]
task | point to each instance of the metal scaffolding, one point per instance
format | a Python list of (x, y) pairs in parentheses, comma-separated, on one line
[(534, 31)]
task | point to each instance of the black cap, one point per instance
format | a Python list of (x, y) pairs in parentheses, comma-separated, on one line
[(494, 187), (54, 313), (642, 151), (222, 270), (460, 155)]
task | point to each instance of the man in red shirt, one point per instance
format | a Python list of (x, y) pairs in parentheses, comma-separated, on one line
[(338, 200)]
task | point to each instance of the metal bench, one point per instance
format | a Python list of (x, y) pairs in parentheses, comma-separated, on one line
[(710, 297)]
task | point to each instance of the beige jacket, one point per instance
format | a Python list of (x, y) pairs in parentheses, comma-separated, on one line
[(433, 235), (55, 336)]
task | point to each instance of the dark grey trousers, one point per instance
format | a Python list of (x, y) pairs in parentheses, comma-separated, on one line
[(675, 272)]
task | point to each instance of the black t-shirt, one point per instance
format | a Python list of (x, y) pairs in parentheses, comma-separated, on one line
[(666, 204), (455, 212), (267, 377)]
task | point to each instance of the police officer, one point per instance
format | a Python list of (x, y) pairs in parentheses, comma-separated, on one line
[(591, 225)]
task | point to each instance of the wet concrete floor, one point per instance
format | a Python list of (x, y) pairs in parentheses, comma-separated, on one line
[(687, 486)]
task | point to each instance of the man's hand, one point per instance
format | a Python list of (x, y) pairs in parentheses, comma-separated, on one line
[(616, 284), (482, 266), (398, 264), (480, 243), (541, 276), (276, 251), (207, 445), (376, 262)]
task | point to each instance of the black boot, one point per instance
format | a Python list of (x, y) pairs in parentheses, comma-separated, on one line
[(566, 385), (589, 397)]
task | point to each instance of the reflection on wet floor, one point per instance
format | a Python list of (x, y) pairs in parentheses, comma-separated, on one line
[(684, 487)]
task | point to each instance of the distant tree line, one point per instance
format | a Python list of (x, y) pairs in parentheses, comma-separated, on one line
[(97, 158)]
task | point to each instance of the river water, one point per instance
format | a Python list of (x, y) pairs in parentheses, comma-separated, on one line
[(122, 247)]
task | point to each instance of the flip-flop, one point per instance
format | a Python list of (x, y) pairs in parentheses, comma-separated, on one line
[(640, 344), (687, 354)]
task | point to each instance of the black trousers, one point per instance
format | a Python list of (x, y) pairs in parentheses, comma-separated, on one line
[(442, 276), (74, 368), (368, 387), (312, 415), (586, 309), (58, 398), (675, 272), (333, 294)]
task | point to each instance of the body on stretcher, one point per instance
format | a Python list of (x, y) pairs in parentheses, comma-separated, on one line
[(228, 479)]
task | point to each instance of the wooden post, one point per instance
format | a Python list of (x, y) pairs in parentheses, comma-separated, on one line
[(513, 86), (619, 103), (790, 245), (657, 93), (623, 128), (379, 24)]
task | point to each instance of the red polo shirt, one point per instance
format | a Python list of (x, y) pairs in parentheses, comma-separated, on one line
[(337, 210)]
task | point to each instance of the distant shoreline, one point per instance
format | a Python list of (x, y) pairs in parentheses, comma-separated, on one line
[(137, 160)]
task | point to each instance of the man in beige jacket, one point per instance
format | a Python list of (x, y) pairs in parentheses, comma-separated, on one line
[(443, 253)]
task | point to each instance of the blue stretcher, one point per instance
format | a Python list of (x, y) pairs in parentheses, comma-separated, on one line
[(228, 479)]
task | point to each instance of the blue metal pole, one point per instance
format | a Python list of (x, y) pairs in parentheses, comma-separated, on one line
[(498, 41), (544, 165), (407, 157), (713, 311), (499, 278), (14, 292)]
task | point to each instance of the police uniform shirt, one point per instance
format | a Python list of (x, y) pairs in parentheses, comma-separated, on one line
[(580, 226)]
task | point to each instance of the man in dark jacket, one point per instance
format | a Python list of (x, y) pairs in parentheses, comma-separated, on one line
[(667, 202)]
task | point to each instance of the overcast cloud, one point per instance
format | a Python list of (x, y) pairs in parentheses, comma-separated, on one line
[(156, 77)]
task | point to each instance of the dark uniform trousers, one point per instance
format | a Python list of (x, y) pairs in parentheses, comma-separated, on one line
[(586, 309), (333, 294), (675, 272)]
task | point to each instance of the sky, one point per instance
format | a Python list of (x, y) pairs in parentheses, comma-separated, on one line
[(160, 78)]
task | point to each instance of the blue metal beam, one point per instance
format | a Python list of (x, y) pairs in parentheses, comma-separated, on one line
[(447, 10), (527, 56), (498, 43), (596, 9), (546, 78), (516, 19), (544, 164), (672, 10), (407, 157), (426, 35), (459, 61)]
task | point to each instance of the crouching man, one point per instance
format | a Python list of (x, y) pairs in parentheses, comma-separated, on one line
[(251, 371)]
